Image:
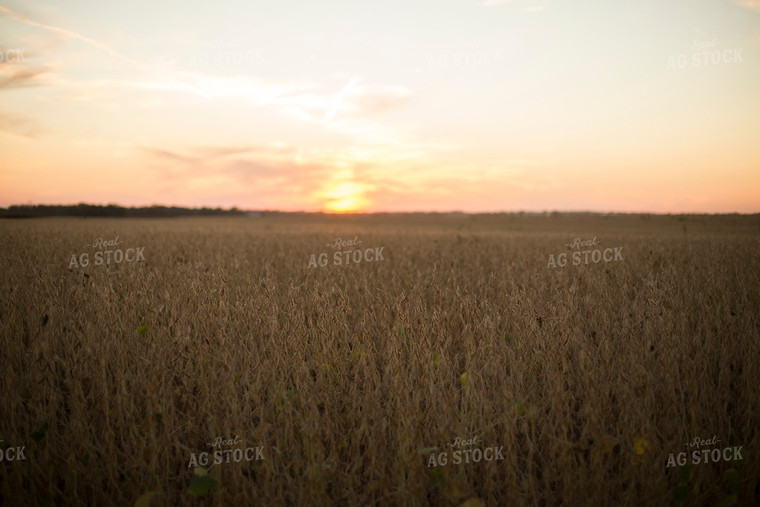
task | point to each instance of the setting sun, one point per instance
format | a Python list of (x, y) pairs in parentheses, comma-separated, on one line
[(346, 198)]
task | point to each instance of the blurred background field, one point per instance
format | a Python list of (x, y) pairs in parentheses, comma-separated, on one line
[(589, 376)]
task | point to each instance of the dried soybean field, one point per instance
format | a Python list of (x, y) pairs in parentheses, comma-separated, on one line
[(455, 359)]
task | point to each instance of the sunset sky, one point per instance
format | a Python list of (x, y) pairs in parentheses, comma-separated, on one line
[(442, 105)]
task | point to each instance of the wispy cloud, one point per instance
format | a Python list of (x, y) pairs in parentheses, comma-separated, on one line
[(18, 125), (330, 113), (68, 34), (261, 175), (355, 102), (209, 154), (371, 100), (173, 156), (17, 76), (311, 177), (749, 4)]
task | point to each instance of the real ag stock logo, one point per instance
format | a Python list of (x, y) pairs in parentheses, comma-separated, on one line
[(704, 53), (227, 53), (710, 455), (12, 55), (102, 256), (12, 453), (585, 256), (463, 451), (466, 54), (220, 455), (349, 256)]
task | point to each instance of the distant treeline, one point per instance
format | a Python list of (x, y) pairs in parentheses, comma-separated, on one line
[(111, 210)]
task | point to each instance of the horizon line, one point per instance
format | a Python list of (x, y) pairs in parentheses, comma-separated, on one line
[(388, 212)]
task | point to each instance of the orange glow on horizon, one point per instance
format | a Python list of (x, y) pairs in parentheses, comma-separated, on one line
[(315, 113), (346, 198)]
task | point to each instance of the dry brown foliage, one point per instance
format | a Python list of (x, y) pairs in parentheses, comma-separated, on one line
[(349, 371)]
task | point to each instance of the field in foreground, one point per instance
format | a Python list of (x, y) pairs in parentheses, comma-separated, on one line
[(351, 382)]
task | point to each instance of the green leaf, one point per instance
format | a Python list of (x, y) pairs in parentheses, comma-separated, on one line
[(427, 450), (680, 493), (159, 417), (236, 378), (437, 481), (149, 499), (142, 329), (202, 483), (285, 397)]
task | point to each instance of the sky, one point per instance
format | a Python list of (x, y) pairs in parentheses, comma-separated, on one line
[(412, 105)]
